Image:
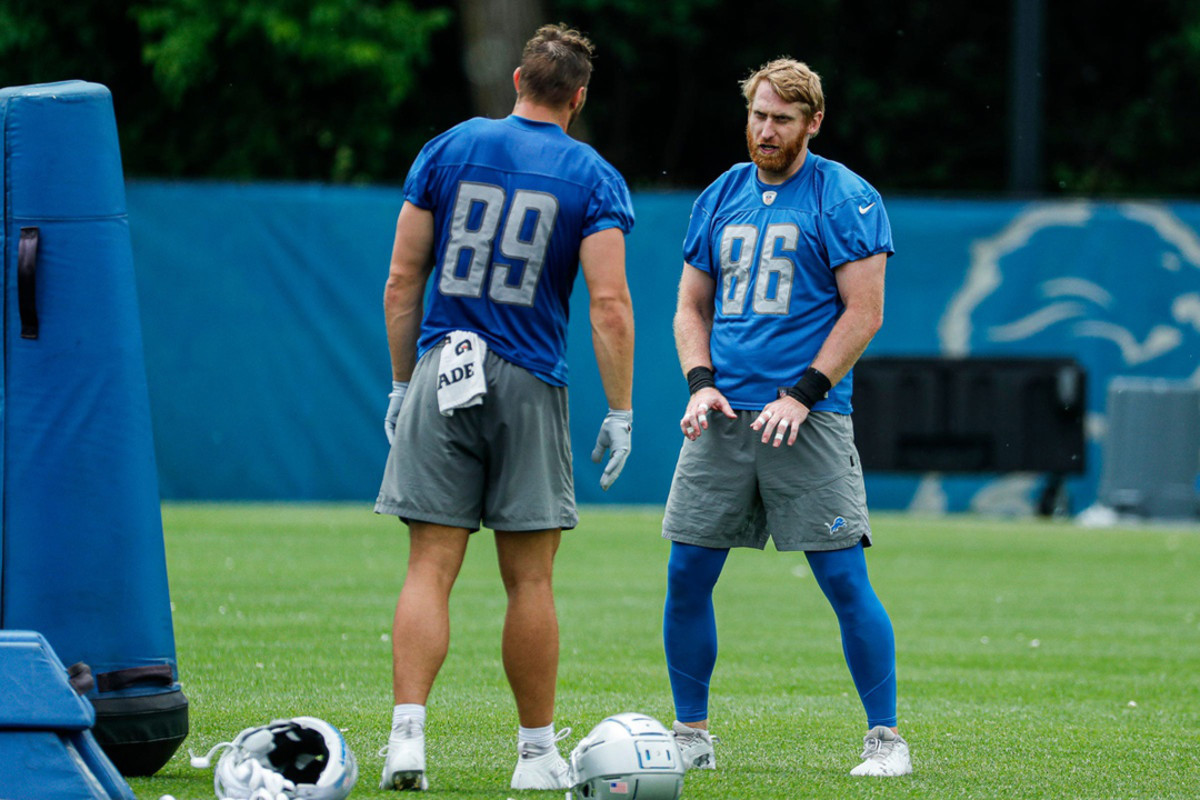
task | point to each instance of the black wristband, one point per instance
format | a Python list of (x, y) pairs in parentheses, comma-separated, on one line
[(698, 378), (812, 388)]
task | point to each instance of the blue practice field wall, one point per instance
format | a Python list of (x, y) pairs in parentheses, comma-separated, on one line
[(268, 367)]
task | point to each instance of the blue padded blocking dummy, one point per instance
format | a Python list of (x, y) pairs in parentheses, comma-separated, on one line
[(46, 746), (83, 558)]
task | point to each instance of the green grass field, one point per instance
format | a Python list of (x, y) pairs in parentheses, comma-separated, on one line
[(1036, 660)]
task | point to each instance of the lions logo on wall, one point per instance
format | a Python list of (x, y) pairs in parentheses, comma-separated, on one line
[(1117, 286)]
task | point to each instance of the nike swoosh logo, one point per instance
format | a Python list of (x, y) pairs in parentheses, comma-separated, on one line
[(865, 209)]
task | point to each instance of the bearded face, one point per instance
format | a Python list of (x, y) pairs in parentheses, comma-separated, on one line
[(776, 154), (777, 133)]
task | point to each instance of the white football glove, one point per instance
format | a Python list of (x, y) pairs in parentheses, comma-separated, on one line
[(395, 398), (616, 436)]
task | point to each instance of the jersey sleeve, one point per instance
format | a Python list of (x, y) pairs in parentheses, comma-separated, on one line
[(697, 247), (418, 186), (610, 206), (856, 228)]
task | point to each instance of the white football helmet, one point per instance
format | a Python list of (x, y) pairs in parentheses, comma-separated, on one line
[(302, 758), (627, 757)]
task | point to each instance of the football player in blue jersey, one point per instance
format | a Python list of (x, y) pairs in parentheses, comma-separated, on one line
[(498, 217), (782, 290)]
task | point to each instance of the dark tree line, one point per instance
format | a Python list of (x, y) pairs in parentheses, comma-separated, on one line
[(919, 96)]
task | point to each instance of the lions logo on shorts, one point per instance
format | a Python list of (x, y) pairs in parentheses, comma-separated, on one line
[(837, 524)]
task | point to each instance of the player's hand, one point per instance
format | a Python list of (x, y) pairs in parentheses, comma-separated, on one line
[(781, 418), (616, 436), (695, 418), (395, 398)]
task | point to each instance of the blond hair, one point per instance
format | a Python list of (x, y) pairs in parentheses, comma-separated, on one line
[(792, 80)]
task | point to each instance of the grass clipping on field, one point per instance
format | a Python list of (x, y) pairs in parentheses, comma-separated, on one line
[(1035, 659)]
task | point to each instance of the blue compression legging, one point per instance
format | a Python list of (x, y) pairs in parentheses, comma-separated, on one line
[(690, 628)]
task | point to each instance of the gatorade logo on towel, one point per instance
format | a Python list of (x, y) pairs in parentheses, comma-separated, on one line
[(461, 381)]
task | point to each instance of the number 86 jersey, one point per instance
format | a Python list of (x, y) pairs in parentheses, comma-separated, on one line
[(512, 201), (772, 251)]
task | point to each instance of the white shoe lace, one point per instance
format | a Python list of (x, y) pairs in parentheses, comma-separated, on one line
[(871, 747), (693, 735), (878, 749), (541, 766), (531, 750)]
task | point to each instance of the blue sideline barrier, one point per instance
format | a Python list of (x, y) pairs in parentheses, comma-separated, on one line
[(268, 367)]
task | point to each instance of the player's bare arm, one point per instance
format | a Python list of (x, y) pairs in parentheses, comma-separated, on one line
[(412, 260), (611, 310), (860, 285), (693, 334), (602, 256)]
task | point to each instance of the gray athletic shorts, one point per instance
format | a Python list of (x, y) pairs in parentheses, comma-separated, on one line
[(506, 462), (731, 490)]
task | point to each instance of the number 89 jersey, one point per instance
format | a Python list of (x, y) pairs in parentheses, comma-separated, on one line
[(772, 251), (512, 200)]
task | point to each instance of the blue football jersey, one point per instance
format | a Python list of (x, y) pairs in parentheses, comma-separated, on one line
[(772, 250), (512, 199)]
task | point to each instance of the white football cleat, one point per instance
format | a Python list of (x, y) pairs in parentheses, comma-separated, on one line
[(405, 751), (541, 767), (884, 754), (695, 746)]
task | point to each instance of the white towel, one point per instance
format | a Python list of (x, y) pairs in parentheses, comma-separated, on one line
[(461, 382)]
